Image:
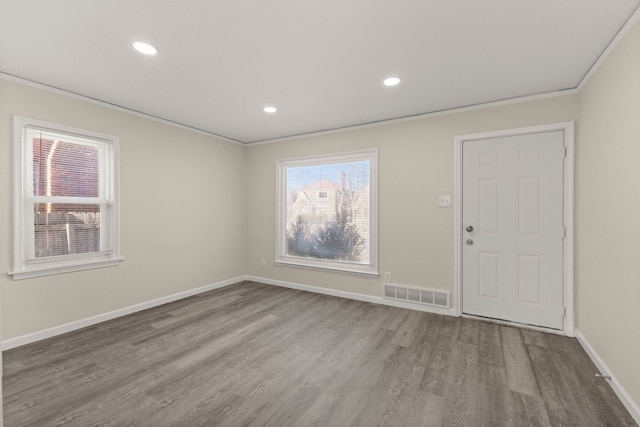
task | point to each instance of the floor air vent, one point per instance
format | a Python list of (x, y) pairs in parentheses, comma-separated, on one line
[(417, 295)]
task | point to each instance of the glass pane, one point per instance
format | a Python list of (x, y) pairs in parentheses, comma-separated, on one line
[(328, 211), (64, 168), (65, 229)]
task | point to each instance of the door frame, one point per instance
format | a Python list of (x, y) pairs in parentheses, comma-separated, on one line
[(567, 250)]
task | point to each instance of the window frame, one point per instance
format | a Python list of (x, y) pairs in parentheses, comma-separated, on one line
[(23, 227), (282, 258)]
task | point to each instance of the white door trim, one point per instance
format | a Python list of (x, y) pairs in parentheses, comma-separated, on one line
[(568, 286)]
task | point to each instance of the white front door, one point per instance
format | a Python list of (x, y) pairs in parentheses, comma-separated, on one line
[(512, 228)]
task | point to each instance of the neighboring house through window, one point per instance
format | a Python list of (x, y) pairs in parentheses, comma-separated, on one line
[(327, 212), (65, 199)]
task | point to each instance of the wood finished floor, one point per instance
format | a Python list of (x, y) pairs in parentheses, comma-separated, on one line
[(253, 354)]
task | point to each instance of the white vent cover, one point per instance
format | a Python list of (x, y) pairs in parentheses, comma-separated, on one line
[(417, 295)]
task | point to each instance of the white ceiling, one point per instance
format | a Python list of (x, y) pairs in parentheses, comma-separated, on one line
[(321, 63)]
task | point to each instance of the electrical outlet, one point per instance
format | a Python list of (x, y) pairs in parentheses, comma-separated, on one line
[(263, 262), (387, 276)]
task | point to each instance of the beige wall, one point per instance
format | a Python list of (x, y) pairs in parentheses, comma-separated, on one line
[(182, 215), (608, 213), (416, 164)]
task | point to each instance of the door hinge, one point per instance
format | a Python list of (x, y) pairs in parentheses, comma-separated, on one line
[(564, 312), (564, 232), (565, 152)]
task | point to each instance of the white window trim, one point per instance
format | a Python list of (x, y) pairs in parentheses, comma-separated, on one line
[(23, 269), (281, 208)]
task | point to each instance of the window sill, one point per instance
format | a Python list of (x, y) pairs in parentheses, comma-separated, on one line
[(365, 270), (48, 270)]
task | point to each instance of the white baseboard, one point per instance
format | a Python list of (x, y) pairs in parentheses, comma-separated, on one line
[(353, 295), (627, 401), (78, 324)]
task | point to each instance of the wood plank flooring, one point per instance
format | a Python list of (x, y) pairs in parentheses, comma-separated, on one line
[(257, 355)]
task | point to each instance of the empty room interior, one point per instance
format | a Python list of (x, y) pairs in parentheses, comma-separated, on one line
[(289, 213)]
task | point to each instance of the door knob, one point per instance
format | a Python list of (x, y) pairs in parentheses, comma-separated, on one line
[(469, 242), (469, 228)]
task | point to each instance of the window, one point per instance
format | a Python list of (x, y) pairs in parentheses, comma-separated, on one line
[(327, 212), (65, 199)]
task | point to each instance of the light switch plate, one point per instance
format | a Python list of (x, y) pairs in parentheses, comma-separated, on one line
[(444, 201)]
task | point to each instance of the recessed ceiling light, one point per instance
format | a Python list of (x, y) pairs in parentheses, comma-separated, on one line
[(145, 48), (270, 109), (391, 81)]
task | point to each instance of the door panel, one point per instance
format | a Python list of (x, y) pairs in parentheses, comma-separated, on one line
[(489, 266), (530, 206), (512, 196), (529, 283), (489, 206)]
